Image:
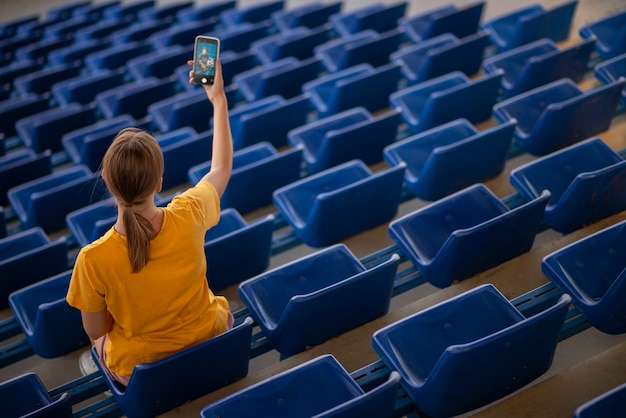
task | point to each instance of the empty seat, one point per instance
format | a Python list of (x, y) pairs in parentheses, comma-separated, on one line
[(612, 70), (26, 396), (20, 166), (53, 328), (95, 10), (28, 257), (183, 110), (538, 63), (559, 114), (116, 56), (10, 27), (352, 87), (18, 68), (37, 26), (299, 43), (592, 271), (131, 9), (378, 17), (254, 13), (16, 108), (182, 149), (296, 304), (65, 11), (205, 11), (135, 98), (445, 98), (91, 221), (609, 33), (182, 34), (587, 182), (68, 26), (102, 30), (76, 52), (84, 88), (466, 233), (530, 23), (46, 201), (162, 385), (458, 21), (352, 134), (450, 157), (40, 50), (164, 11), (160, 64), (139, 31), (470, 350), (238, 38), (9, 45), (608, 404), (39, 82), (310, 15), (289, 395), (325, 208)]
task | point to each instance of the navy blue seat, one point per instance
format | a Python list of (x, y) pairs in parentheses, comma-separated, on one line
[(140, 31), (77, 52), (258, 170), (587, 182), (65, 11), (238, 38), (183, 110), (3, 223), (39, 82), (131, 9), (470, 350), (205, 11), (324, 208), (116, 56), (20, 166), (538, 63), (16, 108), (45, 201), (345, 89), (102, 30), (299, 43), (91, 221), (440, 55), (182, 34), (458, 21), (559, 114), (612, 70), (352, 134), (608, 404), (310, 15), (289, 395), (161, 63), (254, 13), (52, 327), (9, 45), (466, 233), (37, 26), (182, 149), (530, 23), (450, 157), (295, 304), (592, 270), (10, 27), (40, 50), (609, 33), (27, 257), (162, 385), (95, 10), (18, 68), (378, 17), (165, 11), (68, 26), (84, 88), (26, 396), (445, 98)]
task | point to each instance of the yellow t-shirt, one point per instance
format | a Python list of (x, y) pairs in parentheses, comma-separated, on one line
[(168, 305)]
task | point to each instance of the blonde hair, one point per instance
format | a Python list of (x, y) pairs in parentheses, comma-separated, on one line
[(133, 167)]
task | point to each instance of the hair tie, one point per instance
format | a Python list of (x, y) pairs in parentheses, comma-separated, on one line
[(127, 205)]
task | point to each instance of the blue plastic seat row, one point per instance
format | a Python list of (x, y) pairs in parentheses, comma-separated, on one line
[(377, 17), (612, 70), (609, 33), (26, 396), (21, 166), (311, 15)]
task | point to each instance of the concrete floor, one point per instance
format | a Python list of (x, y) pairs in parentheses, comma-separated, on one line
[(585, 365)]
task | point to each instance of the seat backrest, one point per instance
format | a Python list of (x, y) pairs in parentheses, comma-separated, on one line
[(445, 60), (288, 81), (554, 23), (461, 22), (375, 51)]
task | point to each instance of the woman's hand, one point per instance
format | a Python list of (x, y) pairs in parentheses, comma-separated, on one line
[(214, 92)]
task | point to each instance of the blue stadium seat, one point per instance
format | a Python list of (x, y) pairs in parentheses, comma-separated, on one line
[(40, 50), (102, 30), (91, 221), (76, 52), (352, 87), (440, 55), (607, 404), (466, 233), (164, 11), (190, 109), (238, 38), (559, 114), (182, 149), (299, 43), (324, 208), (139, 31), (164, 384), (611, 70), (538, 63), (95, 10), (36, 27), (39, 82), (68, 26), (161, 63), (477, 348), (10, 27), (182, 34), (9, 45), (233, 240), (445, 98), (296, 304), (130, 9), (450, 157), (84, 88), (52, 327), (20, 166), (587, 182), (66, 10), (377, 17), (310, 15), (27, 257), (289, 395), (609, 33), (46, 201), (26, 396), (135, 98), (592, 271), (352, 134), (18, 68), (205, 11), (16, 108), (254, 13), (258, 170), (530, 23), (115, 56), (457, 21)]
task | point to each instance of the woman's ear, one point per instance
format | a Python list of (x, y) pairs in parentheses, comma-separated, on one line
[(160, 185)]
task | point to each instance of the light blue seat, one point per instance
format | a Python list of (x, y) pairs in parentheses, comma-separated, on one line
[(45, 201), (378, 17), (15, 108), (352, 87), (84, 88), (611, 70), (91, 221), (161, 63), (135, 98), (77, 52), (559, 114), (352, 134), (39, 82), (587, 182), (115, 56), (457, 21), (162, 385), (20, 166), (53, 328), (440, 55), (310, 15), (445, 98), (608, 404), (26, 396), (530, 23), (205, 11), (258, 170), (254, 13), (609, 33), (325, 208), (232, 240), (470, 350), (299, 43), (450, 157), (27, 257), (289, 395), (592, 270), (466, 233), (296, 304)]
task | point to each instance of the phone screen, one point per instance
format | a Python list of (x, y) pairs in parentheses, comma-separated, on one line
[(205, 55)]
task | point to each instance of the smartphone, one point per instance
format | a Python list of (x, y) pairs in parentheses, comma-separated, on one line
[(205, 53)]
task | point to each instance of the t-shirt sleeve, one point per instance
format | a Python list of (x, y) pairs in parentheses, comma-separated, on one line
[(203, 201), (85, 292)]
